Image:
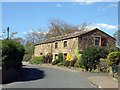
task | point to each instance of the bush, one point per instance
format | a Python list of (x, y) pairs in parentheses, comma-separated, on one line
[(37, 59), (60, 57), (113, 49), (48, 58), (113, 58), (55, 62), (90, 58), (73, 62), (12, 54), (103, 52), (29, 50), (60, 64), (59, 60), (66, 63)]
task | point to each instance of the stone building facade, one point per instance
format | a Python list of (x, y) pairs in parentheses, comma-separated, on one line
[(68, 43)]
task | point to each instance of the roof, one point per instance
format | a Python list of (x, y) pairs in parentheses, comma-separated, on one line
[(68, 36)]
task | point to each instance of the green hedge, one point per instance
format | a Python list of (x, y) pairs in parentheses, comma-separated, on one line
[(37, 59), (113, 58), (12, 53)]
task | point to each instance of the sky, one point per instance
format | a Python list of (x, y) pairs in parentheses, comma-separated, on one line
[(23, 17)]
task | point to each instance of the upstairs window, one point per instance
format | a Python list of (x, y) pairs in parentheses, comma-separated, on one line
[(97, 41), (56, 45), (103, 41), (65, 43)]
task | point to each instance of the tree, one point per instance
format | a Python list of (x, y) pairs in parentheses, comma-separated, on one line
[(58, 27), (117, 37), (35, 36), (90, 58), (29, 50)]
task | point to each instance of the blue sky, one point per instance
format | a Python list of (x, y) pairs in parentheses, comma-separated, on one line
[(22, 17)]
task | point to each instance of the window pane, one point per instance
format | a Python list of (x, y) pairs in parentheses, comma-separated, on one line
[(65, 43), (56, 45), (97, 41)]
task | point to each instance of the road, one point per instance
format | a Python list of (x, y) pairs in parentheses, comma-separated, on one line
[(49, 77)]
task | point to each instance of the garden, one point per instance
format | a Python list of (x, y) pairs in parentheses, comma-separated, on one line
[(90, 59)]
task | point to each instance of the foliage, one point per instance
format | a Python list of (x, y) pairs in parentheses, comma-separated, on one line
[(77, 54), (68, 57), (103, 52), (60, 64), (37, 59), (48, 58), (66, 63), (90, 58), (12, 53), (76, 64), (29, 50), (113, 58), (73, 62), (60, 57), (55, 62), (59, 60), (113, 49)]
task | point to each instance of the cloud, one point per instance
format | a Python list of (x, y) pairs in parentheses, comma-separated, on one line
[(58, 5), (113, 5), (24, 32), (89, 2), (106, 26)]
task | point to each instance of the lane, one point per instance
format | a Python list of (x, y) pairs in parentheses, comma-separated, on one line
[(48, 77)]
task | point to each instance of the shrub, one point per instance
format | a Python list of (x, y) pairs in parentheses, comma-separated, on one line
[(60, 57), (55, 62), (60, 64), (29, 50), (12, 54), (113, 49), (90, 58), (37, 59), (76, 64), (113, 58), (59, 60), (66, 63), (73, 62), (103, 52), (68, 57)]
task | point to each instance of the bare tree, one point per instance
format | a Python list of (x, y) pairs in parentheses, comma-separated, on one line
[(35, 36), (58, 27)]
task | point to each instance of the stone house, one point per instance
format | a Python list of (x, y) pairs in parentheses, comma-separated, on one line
[(68, 43)]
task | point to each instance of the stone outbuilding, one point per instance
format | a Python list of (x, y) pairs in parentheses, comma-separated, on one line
[(68, 43)]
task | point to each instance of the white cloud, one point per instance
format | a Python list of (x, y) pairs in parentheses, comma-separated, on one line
[(89, 2), (106, 26), (24, 32), (113, 5), (58, 5)]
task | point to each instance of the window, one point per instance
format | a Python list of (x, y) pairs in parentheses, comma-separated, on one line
[(65, 43), (103, 41), (56, 56), (97, 41), (41, 53), (56, 45)]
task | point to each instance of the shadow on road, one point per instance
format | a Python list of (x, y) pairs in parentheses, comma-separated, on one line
[(28, 74)]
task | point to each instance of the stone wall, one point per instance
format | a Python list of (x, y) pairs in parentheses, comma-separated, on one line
[(79, 42), (44, 49), (88, 40)]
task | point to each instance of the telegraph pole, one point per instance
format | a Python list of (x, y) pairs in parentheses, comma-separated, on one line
[(8, 33)]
